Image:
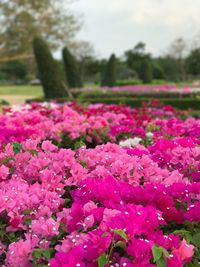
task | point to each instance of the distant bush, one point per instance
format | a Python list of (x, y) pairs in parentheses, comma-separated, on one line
[(120, 94), (109, 76), (146, 74), (182, 104), (127, 82), (4, 102)]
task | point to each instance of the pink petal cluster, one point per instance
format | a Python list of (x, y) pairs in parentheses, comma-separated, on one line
[(70, 194)]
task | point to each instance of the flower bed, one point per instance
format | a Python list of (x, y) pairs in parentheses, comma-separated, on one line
[(99, 186)]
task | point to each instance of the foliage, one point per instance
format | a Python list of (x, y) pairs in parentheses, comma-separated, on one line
[(193, 62), (135, 57), (71, 69), (146, 74), (29, 19), (49, 70), (109, 76), (14, 70), (170, 68), (158, 72)]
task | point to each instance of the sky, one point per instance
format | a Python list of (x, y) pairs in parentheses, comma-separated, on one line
[(117, 25)]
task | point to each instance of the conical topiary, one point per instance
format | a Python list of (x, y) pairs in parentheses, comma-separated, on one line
[(50, 74), (71, 69), (146, 74), (109, 77)]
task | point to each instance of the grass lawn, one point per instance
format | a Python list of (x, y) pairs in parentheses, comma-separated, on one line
[(24, 90), (17, 94)]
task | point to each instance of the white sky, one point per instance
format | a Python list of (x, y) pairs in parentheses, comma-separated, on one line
[(117, 25)]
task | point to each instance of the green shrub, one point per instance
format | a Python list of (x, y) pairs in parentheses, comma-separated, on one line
[(146, 74), (49, 70), (182, 104), (127, 82), (110, 94), (71, 69), (109, 77), (4, 102)]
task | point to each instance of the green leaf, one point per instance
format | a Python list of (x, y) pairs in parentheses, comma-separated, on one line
[(47, 254), (28, 221), (83, 163), (184, 233), (120, 233), (33, 152), (161, 262), (7, 159), (37, 253), (164, 251), (16, 147), (12, 169), (121, 244), (102, 260), (157, 253), (196, 240), (26, 212), (79, 144), (158, 256), (104, 234), (189, 265)]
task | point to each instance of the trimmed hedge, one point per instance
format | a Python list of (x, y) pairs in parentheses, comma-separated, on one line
[(49, 69), (110, 94), (72, 71), (183, 104), (41, 99)]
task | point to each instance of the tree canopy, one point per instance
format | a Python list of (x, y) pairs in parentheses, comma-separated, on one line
[(23, 20)]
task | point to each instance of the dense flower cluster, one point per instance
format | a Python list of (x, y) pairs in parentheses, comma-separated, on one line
[(155, 88), (99, 186)]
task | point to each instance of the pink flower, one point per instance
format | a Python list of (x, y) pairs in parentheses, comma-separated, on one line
[(185, 251), (4, 172), (45, 228)]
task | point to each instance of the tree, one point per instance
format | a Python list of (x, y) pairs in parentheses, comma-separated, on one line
[(14, 70), (193, 62), (146, 72), (71, 69), (49, 70), (109, 78), (178, 51), (22, 20), (84, 52), (93, 70), (135, 57), (158, 72)]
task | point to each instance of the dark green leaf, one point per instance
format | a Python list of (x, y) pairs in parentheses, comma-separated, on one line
[(83, 163), (37, 253), (47, 254), (12, 169), (16, 147), (121, 244), (33, 152), (196, 239), (28, 221), (7, 159), (26, 212)]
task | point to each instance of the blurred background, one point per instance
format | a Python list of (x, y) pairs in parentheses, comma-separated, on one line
[(115, 50)]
